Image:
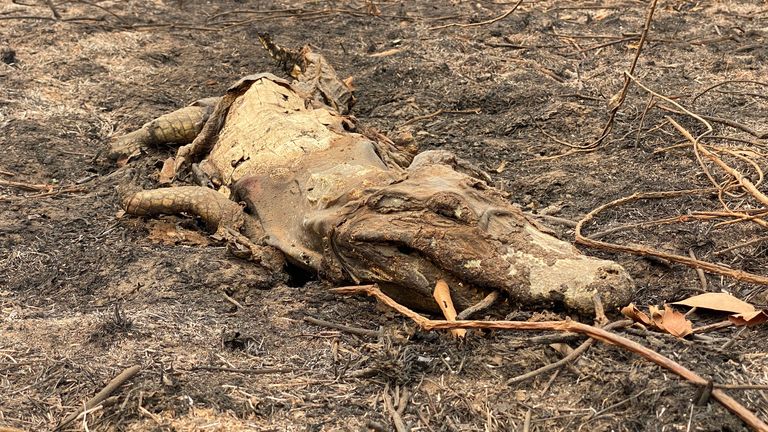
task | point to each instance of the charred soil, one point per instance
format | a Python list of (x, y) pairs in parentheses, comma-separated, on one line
[(86, 292)]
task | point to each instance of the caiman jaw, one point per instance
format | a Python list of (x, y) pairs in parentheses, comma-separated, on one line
[(439, 224)]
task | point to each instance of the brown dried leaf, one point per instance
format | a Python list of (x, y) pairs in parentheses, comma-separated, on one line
[(749, 319), (563, 349), (168, 172), (671, 321), (667, 320), (718, 301), (636, 315)]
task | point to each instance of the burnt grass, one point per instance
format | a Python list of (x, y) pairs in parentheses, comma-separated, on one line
[(86, 292)]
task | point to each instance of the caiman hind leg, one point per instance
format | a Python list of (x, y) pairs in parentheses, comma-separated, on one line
[(180, 127), (221, 216)]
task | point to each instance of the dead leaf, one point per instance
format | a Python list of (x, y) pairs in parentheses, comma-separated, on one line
[(671, 321), (636, 315), (723, 302), (667, 320), (168, 172), (442, 295), (561, 348), (749, 319)]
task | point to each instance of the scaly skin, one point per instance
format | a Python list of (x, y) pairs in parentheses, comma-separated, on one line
[(222, 216), (350, 207), (180, 126)]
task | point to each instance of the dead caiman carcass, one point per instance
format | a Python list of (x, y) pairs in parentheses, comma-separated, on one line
[(352, 207)]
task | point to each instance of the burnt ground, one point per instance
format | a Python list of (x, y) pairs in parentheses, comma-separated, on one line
[(85, 293)]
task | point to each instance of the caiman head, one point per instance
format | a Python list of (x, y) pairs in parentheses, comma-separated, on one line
[(438, 223)]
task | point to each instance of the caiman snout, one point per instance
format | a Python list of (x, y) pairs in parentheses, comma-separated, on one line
[(412, 233)]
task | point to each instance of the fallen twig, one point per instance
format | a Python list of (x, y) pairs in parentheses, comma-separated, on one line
[(396, 418), (648, 252), (618, 100), (44, 189), (344, 328), (581, 349), (713, 86), (439, 112), (700, 272), (743, 181), (741, 245), (572, 326), (712, 327), (228, 298), (53, 9), (483, 304), (481, 23), (554, 219), (26, 186), (113, 385)]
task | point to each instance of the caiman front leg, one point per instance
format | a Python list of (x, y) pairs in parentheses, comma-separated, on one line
[(222, 216), (180, 127)]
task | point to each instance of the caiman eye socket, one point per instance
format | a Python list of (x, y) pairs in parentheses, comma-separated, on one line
[(406, 250), (452, 206)]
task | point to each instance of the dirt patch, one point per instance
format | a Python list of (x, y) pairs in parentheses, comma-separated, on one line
[(85, 294)]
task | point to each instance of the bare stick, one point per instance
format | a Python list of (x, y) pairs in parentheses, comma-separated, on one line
[(439, 112), (713, 86), (700, 272), (55, 12), (712, 327), (649, 252), (481, 23), (483, 304), (348, 329), (553, 219), (231, 300), (396, 419), (566, 326), (741, 245), (581, 349), (618, 100), (745, 182), (103, 394)]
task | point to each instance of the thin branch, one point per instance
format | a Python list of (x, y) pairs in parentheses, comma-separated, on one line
[(648, 252), (103, 394), (483, 304), (581, 349), (348, 329), (482, 23), (567, 326)]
